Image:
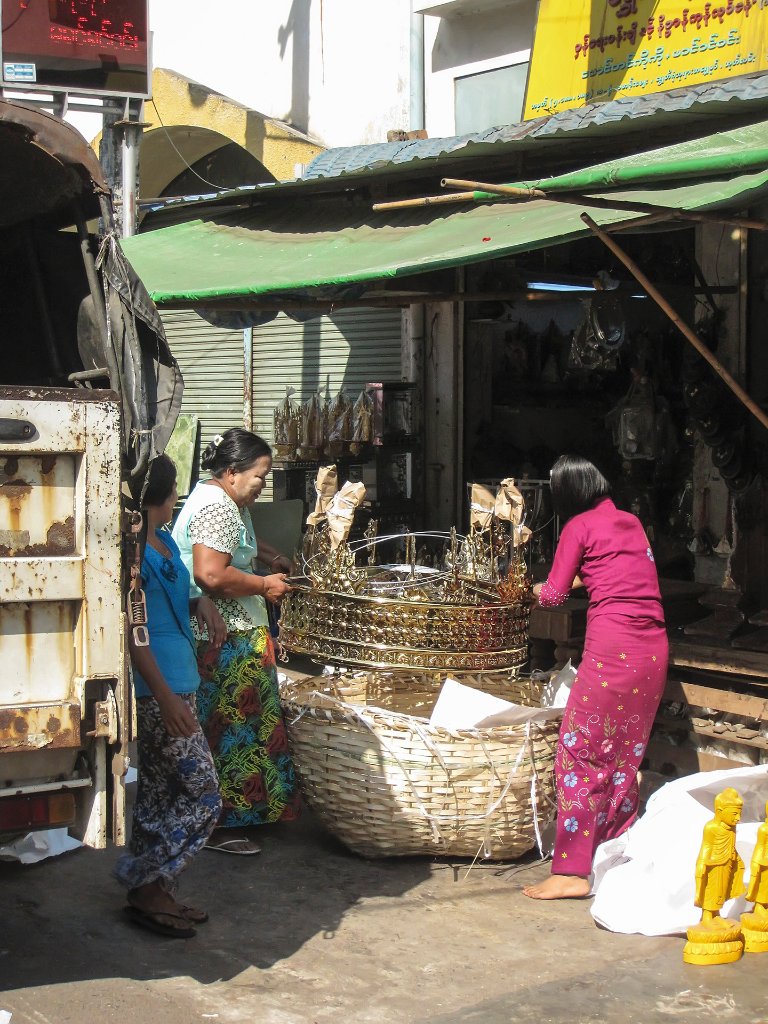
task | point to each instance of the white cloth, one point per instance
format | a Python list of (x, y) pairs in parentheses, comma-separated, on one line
[(644, 881)]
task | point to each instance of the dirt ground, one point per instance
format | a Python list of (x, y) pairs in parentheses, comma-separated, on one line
[(307, 932)]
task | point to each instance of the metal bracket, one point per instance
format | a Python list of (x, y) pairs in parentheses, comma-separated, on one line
[(105, 718)]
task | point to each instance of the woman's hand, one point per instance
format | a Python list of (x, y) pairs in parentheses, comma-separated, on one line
[(281, 563), (177, 715), (209, 618), (533, 595), (275, 587)]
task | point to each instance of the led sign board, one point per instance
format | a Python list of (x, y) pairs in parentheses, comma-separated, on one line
[(87, 47)]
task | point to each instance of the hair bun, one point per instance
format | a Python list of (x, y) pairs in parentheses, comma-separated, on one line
[(208, 456)]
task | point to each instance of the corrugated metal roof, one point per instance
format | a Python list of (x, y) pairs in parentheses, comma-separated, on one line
[(744, 99), (700, 102)]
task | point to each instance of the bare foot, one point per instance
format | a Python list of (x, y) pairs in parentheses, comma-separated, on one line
[(559, 887)]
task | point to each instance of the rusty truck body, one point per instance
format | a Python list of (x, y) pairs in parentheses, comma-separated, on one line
[(89, 394)]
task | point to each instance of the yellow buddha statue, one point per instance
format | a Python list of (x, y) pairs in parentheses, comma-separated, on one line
[(755, 923), (719, 878)]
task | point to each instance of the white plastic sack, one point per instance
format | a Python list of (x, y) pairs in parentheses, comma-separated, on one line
[(463, 707), (557, 689), (36, 846), (644, 881)]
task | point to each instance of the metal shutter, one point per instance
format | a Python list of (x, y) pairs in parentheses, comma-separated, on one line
[(351, 347), (211, 361)]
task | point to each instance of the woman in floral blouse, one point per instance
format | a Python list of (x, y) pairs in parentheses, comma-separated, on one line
[(238, 701)]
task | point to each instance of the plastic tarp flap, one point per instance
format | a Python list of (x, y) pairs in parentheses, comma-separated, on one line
[(155, 385), (644, 881)]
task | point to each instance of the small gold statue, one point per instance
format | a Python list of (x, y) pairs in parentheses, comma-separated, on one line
[(719, 877), (755, 924)]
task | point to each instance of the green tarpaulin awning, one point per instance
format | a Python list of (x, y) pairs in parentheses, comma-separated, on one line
[(280, 247)]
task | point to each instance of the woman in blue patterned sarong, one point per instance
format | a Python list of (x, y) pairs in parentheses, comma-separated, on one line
[(239, 705), (177, 802)]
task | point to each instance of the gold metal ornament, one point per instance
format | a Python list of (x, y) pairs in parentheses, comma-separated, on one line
[(468, 614)]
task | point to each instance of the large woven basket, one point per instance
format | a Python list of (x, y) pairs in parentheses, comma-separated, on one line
[(388, 784)]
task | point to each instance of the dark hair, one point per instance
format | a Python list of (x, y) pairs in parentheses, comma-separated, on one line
[(577, 484), (160, 480), (235, 449)]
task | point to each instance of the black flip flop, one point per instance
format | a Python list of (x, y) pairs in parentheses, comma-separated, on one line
[(151, 921)]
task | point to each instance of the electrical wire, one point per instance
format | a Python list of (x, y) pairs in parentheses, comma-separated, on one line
[(219, 188)]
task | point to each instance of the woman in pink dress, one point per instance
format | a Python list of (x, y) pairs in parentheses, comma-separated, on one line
[(608, 718)]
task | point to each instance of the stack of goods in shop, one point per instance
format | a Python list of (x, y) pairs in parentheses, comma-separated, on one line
[(322, 427), (398, 616), (287, 426)]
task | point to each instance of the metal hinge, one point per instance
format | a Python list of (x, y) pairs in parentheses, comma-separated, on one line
[(105, 718)]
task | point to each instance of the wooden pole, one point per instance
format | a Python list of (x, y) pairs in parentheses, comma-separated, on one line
[(677, 320), (498, 190), (664, 212), (404, 204), (659, 213)]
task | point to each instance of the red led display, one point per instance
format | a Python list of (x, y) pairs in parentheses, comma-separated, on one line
[(82, 46)]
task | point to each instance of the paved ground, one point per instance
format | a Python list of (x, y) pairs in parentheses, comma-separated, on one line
[(309, 933)]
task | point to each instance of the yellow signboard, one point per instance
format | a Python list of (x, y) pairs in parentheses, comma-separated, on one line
[(591, 51)]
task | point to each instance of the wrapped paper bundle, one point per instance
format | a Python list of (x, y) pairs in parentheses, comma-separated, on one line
[(341, 512), (325, 405), (287, 424), (481, 508), (326, 485), (339, 424), (362, 423), (509, 507), (312, 428)]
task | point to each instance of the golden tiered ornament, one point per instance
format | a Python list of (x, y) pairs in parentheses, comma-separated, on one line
[(466, 610)]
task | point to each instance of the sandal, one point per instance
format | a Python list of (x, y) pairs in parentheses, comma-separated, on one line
[(240, 847), (192, 914), (153, 922)]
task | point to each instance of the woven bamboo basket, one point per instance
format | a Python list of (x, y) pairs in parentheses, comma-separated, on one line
[(388, 784)]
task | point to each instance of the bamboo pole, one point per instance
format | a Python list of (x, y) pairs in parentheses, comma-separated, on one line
[(497, 190), (671, 212), (677, 320), (404, 204), (638, 223)]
